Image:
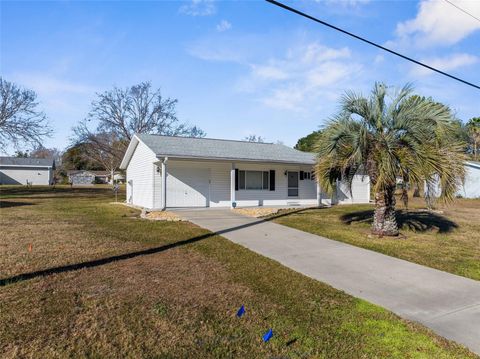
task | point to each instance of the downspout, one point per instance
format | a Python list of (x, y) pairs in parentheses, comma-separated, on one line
[(153, 186), (164, 183)]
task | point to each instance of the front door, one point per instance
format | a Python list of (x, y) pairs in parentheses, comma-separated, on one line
[(292, 184)]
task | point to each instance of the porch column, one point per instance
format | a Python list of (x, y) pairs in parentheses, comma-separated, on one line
[(232, 185), (164, 183), (319, 194)]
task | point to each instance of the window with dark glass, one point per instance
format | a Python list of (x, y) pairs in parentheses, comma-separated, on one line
[(253, 180)]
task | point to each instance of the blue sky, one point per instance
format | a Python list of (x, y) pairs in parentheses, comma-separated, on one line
[(236, 67)]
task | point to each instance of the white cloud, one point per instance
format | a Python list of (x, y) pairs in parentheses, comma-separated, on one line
[(199, 8), (228, 47), (269, 72), (224, 25), (49, 85), (286, 98), (299, 78), (447, 63), (204, 51), (54, 93), (439, 23), (305, 77), (378, 59)]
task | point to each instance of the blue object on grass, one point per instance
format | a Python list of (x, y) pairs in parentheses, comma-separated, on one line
[(241, 311), (268, 335)]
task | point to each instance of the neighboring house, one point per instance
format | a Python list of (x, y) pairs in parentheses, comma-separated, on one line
[(23, 171), (471, 187), (119, 178), (84, 177), (164, 171)]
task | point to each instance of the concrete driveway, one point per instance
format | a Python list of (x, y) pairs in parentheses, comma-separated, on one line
[(446, 303)]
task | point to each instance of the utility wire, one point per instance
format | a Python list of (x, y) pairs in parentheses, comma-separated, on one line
[(462, 10), (298, 12)]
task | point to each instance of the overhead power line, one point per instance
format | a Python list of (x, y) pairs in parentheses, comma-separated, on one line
[(462, 10), (298, 12)]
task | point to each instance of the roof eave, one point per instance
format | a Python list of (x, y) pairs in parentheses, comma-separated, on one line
[(227, 159), (31, 166), (473, 164), (129, 152)]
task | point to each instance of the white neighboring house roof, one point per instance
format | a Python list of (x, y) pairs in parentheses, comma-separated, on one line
[(217, 149), (27, 162)]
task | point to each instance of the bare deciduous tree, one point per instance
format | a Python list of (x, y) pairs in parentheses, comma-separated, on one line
[(104, 148), (138, 109), (20, 120), (121, 113), (254, 138)]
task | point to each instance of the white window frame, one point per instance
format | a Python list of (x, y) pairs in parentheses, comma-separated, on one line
[(267, 188)]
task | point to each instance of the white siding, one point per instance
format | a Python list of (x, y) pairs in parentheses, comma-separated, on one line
[(140, 178), (360, 192), (471, 187), (20, 175), (212, 188), (307, 188), (219, 190)]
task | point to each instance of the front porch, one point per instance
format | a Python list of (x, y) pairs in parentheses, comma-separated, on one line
[(204, 184)]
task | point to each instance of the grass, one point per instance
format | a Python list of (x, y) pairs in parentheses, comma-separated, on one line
[(174, 295), (447, 239)]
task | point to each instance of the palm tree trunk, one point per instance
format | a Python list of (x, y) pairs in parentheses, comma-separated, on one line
[(384, 220)]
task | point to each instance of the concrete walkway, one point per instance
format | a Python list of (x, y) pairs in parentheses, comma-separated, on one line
[(446, 303)]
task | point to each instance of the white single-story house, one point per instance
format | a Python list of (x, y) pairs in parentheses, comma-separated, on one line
[(165, 171), (23, 171), (471, 187)]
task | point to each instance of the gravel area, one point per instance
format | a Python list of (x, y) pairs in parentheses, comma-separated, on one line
[(257, 212), (161, 216)]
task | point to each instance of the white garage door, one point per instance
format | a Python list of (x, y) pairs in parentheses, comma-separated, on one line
[(188, 187)]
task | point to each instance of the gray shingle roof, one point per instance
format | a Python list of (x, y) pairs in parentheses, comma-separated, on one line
[(22, 161), (188, 147)]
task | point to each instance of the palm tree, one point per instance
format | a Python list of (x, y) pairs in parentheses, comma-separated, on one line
[(473, 127), (388, 137)]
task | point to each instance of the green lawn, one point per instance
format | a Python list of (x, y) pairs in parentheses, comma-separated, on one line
[(174, 295), (447, 239)]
